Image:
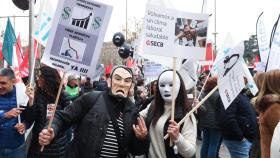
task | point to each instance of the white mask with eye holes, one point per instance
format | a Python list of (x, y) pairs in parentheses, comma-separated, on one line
[(165, 85)]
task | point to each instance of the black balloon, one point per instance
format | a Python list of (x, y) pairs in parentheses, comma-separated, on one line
[(22, 4), (118, 39), (124, 51)]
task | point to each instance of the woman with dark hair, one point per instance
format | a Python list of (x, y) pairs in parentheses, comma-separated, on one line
[(46, 89), (268, 105), (157, 116)]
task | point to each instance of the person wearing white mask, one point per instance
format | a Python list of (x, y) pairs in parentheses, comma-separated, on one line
[(157, 117)]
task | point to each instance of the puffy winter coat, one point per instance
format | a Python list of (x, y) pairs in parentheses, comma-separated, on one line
[(37, 114)]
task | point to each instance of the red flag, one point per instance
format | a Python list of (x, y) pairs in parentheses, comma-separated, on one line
[(209, 56), (18, 50), (108, 68), (130, 62), (24, 66)]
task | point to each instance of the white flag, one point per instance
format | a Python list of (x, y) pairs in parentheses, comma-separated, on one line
[(226, 47), (188, 73), (262, 39), (274, 55), (230, 78), (250, 81), (44, 22)]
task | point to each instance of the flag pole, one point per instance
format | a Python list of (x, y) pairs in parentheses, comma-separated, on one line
[(56, 102), (31, 42)]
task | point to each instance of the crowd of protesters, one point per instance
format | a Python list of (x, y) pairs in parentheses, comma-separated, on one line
[(122, 116)]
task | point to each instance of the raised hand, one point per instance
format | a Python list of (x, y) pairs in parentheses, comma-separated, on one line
[(140, 129), (30, 93)]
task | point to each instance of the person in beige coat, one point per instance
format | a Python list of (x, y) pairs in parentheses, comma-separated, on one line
[(157, 116), (268, 105)]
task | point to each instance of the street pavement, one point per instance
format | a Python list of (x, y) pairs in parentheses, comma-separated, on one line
[(222, 154)]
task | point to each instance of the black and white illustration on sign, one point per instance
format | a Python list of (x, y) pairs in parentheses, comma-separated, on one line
[(81, 18), (229, 62), (72, 49)]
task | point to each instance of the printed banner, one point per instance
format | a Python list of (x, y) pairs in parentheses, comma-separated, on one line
[(274, 55), (263, 42), (152, 69), (230, 78), (173, 33), (76, 36)]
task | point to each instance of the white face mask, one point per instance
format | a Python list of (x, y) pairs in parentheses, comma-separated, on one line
[(165, 85)]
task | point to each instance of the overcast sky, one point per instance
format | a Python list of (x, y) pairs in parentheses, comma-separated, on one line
[(235, 16)]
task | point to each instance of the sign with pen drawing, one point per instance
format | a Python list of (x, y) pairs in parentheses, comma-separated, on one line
[(76, 36), (230, 74), (173, 33)]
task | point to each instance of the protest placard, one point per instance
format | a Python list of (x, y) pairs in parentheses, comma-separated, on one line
[(76, 36), (230, 74), (173, 33)]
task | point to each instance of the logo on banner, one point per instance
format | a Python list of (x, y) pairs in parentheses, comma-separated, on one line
[(81, 22), (154, 43), (229, 62), (66, 13), (97, 22)]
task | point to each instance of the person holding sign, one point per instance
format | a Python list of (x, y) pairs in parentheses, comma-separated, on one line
[(41, 109), (108, 124), (157, 116), (11, 131), (268, 105)]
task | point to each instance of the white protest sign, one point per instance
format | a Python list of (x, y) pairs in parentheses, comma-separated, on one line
[(262, 39), (152, 69), (274, 54), (226, 47), (260, 67), (76, 36), (188, 73), (22, 98), (230, 75), (250, 81), (172, 33)]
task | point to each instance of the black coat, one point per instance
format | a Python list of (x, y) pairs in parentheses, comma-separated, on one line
[(37, 114), (207, 113), (91, 115), (238, 120)]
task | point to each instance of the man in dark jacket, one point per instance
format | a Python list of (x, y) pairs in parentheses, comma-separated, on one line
[(238, 126), (105, 122)]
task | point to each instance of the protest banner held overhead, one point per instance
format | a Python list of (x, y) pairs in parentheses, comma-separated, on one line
[(76, 36), (173, 33), (230, 74)]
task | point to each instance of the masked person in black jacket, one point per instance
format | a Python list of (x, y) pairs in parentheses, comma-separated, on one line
[(105, 122)]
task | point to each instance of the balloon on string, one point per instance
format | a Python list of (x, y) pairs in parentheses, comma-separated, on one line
[(118, 39), (124, 51), (22, 4)]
